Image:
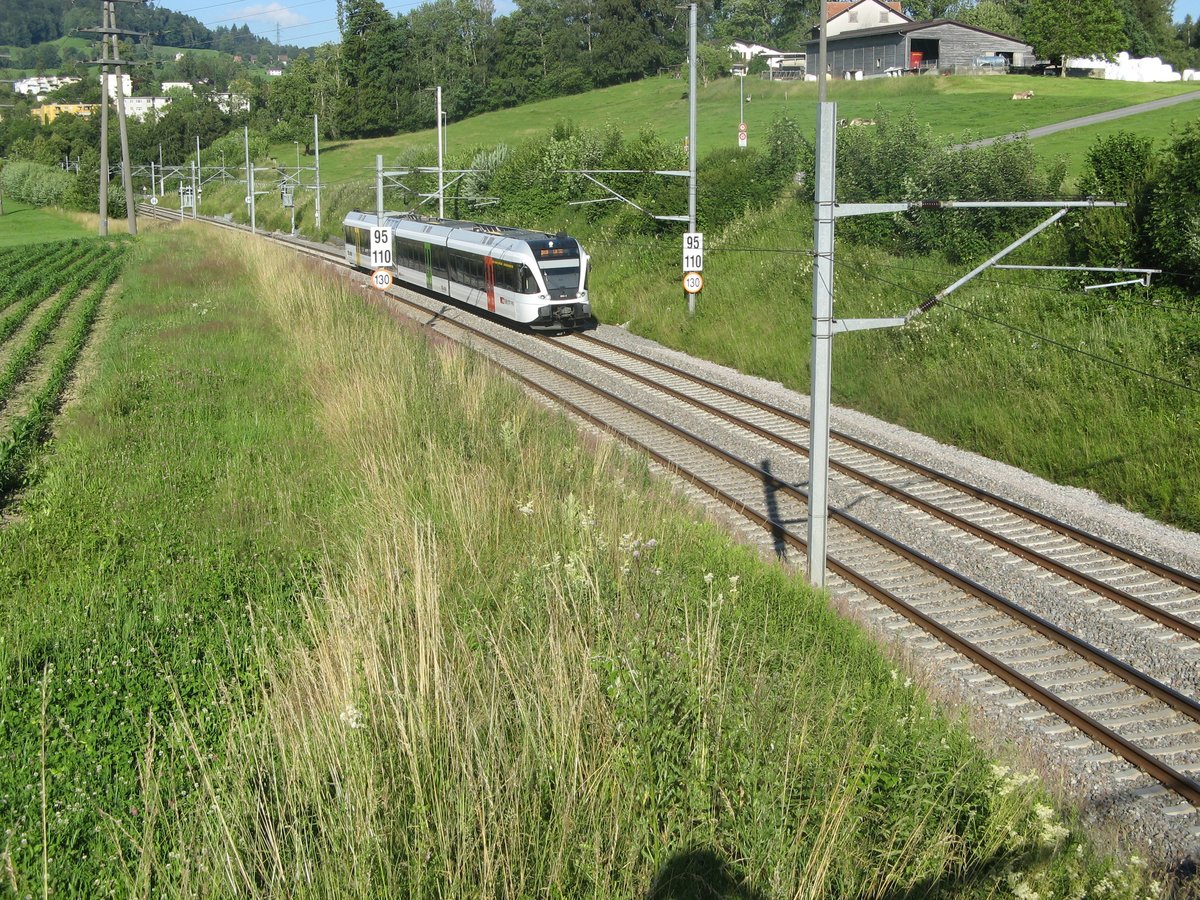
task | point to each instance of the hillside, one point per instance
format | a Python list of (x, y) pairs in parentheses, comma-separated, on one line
[(953, 108), (32, 32)]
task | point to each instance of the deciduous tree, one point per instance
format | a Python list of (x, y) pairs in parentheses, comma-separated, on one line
[(1059, 30)]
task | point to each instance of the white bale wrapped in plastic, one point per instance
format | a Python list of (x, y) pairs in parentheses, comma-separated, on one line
[(1146, 70)]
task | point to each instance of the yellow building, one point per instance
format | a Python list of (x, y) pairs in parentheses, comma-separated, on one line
[(48, 112)]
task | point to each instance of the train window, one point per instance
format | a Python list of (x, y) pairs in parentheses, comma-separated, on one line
[(529, 283), (414, 254), (561, 280)]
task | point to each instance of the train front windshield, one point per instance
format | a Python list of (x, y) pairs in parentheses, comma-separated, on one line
[(562, 278)]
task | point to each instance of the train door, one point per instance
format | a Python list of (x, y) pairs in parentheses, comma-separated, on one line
[(489, 280), (428, 266)]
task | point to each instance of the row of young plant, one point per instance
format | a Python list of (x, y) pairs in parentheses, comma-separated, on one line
[(12, 261), (19, 363), (17, 448), (38, 279)]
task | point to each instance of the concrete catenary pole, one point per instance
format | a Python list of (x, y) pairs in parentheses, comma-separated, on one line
[(317, 166), (822, 320), (126, 168), (103, 209), (441, 174), (197, 181), (379, 188), (691, 298), (249, 180)]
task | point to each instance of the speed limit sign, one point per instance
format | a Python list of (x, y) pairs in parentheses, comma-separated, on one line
[(693, 282), (381, 279)]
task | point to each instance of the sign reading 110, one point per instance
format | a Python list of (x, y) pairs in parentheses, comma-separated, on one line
[(381, 246), (693, 251)]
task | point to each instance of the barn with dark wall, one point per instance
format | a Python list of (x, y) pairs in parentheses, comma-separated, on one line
[(941, 45)]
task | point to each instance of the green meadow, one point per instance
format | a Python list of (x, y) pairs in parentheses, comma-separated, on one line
[(24, 224), (1158, 125), (298, 603), (956, 108)]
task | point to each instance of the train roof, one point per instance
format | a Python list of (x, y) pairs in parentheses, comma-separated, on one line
[(508, 231)]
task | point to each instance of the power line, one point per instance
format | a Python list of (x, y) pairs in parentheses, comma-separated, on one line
[(1087, 353), (1041, 337)]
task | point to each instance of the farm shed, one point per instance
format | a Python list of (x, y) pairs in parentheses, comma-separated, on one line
[(941, 44)]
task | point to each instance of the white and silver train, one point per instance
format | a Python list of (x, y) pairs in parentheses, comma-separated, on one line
[(531, 277)]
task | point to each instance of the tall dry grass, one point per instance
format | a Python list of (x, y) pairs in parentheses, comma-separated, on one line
[(527, 671)]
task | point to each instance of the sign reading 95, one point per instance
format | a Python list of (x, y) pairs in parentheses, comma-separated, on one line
[(693, 251)]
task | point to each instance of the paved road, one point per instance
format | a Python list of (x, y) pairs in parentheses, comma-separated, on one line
[(1086, 120)]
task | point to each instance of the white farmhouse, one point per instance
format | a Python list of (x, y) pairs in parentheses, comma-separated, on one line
[(855, 14)]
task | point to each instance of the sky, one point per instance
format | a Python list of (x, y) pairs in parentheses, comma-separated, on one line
[(308, 23), (304, 23)]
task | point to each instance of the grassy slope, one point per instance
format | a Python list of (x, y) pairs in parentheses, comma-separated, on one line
[(155, 540), (1072, 145), (512, 677), (953, 107), (1139, 450), (23, 224)]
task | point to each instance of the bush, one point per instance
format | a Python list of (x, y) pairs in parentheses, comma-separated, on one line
[(899, 160), (1174, 215), (1119, 167), (35, 183)]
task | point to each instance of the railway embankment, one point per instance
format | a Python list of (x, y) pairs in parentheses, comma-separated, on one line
[(302, 600)]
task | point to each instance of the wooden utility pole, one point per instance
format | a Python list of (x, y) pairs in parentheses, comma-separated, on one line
[(6, 58), (109, 31)]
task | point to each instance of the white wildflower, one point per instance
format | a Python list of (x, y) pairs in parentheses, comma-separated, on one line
[(587, 520), (352, 716), (708, 578), (527, 508)]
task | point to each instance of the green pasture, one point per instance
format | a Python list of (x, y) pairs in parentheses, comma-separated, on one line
[(1071, 146), (958, 107), (24, 224)]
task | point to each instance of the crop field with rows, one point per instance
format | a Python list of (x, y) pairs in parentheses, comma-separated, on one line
[(48, 305)]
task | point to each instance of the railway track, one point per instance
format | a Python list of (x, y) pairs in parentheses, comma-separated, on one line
[(1093, 647)]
